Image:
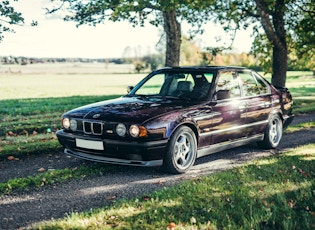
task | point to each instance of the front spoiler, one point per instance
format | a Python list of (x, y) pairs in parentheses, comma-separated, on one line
[(109, 160)]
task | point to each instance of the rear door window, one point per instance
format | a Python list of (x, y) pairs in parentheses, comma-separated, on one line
[(228, 83), (250, 87)]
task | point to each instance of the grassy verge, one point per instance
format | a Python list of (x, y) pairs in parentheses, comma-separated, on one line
[(272, 193), (304, 105), (52, 177), (28, 125), (302, 86), (301, 126)]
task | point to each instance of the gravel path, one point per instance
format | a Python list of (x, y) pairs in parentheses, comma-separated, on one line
[(21, 210)]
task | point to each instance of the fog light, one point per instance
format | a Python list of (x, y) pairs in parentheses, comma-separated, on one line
[(66, 123), (121, 129)]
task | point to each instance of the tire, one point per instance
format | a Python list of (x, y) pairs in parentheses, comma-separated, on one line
[(273, 133), (181, 151)]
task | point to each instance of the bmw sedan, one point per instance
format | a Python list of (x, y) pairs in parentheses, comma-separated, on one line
[(177, 114)]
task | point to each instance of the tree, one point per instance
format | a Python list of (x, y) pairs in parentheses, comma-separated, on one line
[(165, 12), (302, 41), (153, 61), (8, 17), (190, 52), (274, 21)]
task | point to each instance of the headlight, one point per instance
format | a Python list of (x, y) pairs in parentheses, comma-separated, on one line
[(121, 129), (134, 130), (66, 123), (138, 131), (73, 125)]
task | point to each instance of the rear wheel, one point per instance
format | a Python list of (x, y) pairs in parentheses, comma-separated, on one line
[(273, 133), (181, 151)]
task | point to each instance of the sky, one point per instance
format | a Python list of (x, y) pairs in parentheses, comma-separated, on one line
[(55, 38)]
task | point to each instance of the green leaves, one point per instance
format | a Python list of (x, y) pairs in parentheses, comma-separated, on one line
[(8, 16)]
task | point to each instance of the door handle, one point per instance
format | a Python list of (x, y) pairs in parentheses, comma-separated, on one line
[(267, 104)]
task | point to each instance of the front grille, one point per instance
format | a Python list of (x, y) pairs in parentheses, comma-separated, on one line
[(95, 128)]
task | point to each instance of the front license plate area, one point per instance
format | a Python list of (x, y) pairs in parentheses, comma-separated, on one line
[(88, 144)]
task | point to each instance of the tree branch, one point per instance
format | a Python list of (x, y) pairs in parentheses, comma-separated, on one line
[(266, 23)]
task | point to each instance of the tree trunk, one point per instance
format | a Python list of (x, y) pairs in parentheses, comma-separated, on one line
[(279, 66), (173, 38), (276, 34)]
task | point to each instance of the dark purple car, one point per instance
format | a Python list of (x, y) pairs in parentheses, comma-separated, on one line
[(175, 115)]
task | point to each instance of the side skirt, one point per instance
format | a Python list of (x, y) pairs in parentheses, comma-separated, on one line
[(228, 145)]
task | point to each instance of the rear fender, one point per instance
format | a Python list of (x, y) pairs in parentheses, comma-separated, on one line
[(286, 100)]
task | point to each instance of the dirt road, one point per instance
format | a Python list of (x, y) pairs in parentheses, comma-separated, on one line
[(24, 209)]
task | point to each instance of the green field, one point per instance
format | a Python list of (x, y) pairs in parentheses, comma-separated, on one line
[(63, 80)]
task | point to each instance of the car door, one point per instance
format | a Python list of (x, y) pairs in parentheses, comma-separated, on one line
[(256, 99), (229, 111)]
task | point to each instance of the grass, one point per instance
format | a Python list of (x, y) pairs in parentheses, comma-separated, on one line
[(301, 126), (64, 80), (52, 177), (302, 86), (272, 193), (28, 125), (304, 105)]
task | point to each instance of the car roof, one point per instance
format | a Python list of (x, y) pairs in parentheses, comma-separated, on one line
[(201, 68)]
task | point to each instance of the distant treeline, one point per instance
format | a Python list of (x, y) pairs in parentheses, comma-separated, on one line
[(154, 61), (12, 60)]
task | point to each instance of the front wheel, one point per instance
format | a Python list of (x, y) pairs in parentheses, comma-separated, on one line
[(181, 151), (273, 133)]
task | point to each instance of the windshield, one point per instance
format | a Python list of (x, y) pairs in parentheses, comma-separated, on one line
[(188, 85)]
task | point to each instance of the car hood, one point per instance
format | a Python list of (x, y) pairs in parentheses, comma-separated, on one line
[(128, 109)]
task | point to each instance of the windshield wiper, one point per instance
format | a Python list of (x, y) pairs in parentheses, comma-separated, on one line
[(183, 97)]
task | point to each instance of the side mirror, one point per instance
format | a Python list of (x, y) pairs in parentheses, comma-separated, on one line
[(129, 88), (223, 94)]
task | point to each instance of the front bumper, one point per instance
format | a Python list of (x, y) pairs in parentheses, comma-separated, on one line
[(123, 152)]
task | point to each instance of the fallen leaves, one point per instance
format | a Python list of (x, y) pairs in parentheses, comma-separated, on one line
[(291, 203), (110, 197), (41, 170), (160, 181), (171, 226), (193, 220), (305, 174), (145, 198), (12, 158), (43, 182), (11, 134)]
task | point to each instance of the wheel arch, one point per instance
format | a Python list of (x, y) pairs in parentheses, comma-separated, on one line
[(188, 124), (277, 112)]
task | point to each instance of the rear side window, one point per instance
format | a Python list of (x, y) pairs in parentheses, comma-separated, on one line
[(261, 84), (250, 87)]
